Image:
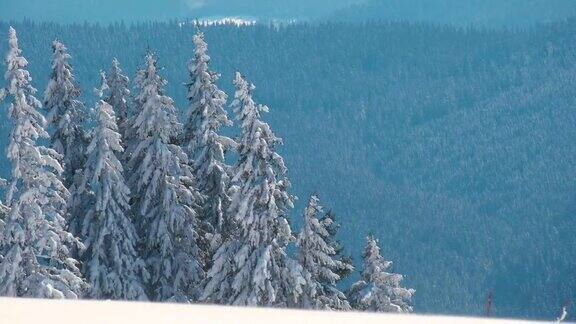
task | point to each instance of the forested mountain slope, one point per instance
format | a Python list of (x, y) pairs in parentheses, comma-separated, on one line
[(454, 147), (490, 13)]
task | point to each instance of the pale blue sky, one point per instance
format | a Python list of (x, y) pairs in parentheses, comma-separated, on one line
[(134, 10)]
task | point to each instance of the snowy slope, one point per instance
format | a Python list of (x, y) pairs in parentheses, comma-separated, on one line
[(26, 311)]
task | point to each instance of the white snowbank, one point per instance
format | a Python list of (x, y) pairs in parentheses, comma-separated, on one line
[(27, 311)]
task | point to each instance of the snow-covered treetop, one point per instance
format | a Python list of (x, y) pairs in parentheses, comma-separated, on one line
[(16, 75), (247, 111), (61, 90), (106, 133), (253, 129), (105, 137), (105, 143), (103, 86), (318, 255), (380, 290), (206, 114), (65, 113), (157, 114), (376, 267), (28, 121), (315, 252), (118, 84), (374, 263), (260, 167)]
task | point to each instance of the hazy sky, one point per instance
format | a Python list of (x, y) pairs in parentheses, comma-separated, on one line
[(131, 10)]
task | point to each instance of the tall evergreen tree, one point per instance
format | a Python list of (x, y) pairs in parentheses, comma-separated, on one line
[(118, 94), (164, 198), (65, 113), (3, 93), (261, 273), (34, 242), (318, 255), (111, 263), (3, 183), (379, 290), (206, 147), (344, 266)]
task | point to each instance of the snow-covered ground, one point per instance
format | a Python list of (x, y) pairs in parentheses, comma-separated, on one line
[(27, 311)]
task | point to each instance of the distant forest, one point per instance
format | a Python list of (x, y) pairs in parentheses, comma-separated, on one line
[(455, 147), (485, 13)]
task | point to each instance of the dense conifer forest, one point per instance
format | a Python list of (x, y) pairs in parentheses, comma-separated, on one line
[(484, 13), (452, 146)]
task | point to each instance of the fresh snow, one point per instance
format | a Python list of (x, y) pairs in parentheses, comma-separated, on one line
[(18, 311)]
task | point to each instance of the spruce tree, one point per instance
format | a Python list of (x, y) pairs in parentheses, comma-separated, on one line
[(379, 290), (65, 113), (164, 199), (3, 183), (344, 266), (34, 242), (111, 264), (206, 147), (118, 95), (261, 273), (317, 253)]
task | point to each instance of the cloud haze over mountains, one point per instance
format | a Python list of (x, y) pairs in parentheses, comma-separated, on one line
[(139, 10), (461, 12)]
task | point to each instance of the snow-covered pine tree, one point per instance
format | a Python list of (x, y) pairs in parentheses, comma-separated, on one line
[(34, 242), (206, 147), (2, 94), (111, 266), (65, 114), (318, 255), (261, 273), (3, 208), (345, 265), (118, 94), (379, 290), (164, 199)]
